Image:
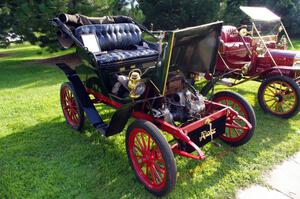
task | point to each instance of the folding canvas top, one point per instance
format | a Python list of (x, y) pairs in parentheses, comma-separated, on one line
[(260, 14)]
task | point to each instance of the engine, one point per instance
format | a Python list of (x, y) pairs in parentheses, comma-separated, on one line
[(185, 105), (181, 104)]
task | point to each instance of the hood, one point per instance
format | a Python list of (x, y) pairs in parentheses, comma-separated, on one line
[(195, 49)]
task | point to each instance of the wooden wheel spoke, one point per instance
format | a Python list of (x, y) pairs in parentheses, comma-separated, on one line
[(147, 171), (236, 132), (268, 88), (161, 170), (149, 142), (226, 102), (238, 126), (280, 85), (230, 133), (273, 104), (152, 176), (156, 174), (266, 94), (138, 148), (277, 106), (270, 100), (292, 94), (139, 142), (144, 143)]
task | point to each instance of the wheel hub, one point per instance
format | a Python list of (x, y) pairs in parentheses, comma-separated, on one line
[(278, 98), (148, 158)]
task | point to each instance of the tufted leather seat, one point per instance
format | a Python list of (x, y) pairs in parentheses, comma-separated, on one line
[(228, 37), (122, 42)]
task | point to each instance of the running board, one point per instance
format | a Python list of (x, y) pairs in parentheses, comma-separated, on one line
[(84, 99)]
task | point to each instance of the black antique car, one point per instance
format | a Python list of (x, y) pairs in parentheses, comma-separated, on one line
[(151, 82)]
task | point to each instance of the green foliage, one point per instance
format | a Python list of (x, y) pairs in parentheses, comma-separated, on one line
[(30, 17), (170, 14), (135, 12), (232, 13)]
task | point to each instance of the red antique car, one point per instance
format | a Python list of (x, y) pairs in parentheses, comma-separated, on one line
[(261, 53)]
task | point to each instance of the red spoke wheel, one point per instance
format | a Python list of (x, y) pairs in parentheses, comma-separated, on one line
[(151, 157), (235, 133), (69, 103), (279, 96)]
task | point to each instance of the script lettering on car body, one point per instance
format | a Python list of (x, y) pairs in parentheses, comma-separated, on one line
[(210, 132)]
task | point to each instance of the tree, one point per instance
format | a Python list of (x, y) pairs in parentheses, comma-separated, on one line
[(170, 14), (30, 17), (231, 11), (129, 8)]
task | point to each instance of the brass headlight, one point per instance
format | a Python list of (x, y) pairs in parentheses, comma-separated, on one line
[(260, 49)]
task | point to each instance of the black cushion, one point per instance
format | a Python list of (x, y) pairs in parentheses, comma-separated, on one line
[(112, 36), (127, 57)]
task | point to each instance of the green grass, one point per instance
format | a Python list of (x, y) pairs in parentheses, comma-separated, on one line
[(41, 157)]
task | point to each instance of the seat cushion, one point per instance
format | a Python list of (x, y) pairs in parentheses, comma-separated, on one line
[(126, 57), (112, 36)]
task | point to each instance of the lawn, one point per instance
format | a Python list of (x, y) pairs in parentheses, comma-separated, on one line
[(41, 157)]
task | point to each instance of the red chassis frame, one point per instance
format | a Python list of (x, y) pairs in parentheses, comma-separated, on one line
[(181, 133)]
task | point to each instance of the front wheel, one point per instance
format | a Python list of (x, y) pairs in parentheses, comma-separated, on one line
[(236, 135), (150, 157), (279, 96)]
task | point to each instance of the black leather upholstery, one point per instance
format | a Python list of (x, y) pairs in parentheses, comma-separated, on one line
[(127, 57), (112, 36), (122, 42)]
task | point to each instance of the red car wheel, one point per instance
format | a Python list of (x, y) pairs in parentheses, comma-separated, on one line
[(70, 106), (236, 136), (151, 157), (279, 95)]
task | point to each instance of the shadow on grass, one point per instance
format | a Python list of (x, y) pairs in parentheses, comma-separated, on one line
[(242, 164), (51, 160), (22, 69), (19, 74)]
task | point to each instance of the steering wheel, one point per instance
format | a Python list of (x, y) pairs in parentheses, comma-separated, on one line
[(241, 27), (243, 30)]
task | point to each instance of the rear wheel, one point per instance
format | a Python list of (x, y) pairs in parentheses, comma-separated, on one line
[(150, 157), (236, 135), (279, 95), (70, 106)]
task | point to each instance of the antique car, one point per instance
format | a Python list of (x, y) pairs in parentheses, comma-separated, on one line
[(260, 53), (152, 83)]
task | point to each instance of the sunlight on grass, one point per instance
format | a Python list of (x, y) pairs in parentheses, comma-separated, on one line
[(41, 157)]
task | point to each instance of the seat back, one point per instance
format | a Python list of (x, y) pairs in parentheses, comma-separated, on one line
[(112, 36), (226, 35)]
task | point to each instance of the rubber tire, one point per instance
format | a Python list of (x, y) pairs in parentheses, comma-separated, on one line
[(166, 152), (288, 80), (79, 109), (250, 114)]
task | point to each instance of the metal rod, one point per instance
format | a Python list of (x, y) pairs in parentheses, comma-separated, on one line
[(253, 25), (287, 35)]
